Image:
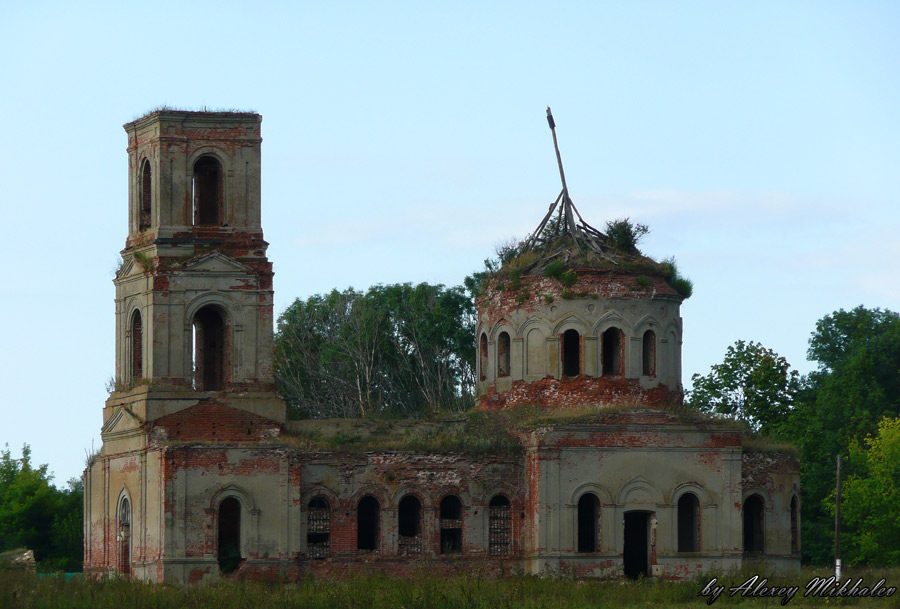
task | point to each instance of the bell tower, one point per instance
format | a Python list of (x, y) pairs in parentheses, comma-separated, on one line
[(194, 291)]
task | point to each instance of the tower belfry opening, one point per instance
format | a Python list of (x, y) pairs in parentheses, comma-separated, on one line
[(209, 349), (207, 191)]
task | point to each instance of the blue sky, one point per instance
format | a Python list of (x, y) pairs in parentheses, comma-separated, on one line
[(404, 141)]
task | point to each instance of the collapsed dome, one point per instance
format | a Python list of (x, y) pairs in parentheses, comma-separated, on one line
[(577, 318)]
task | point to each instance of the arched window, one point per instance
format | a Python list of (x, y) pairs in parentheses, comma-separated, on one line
[(146, 186), (588, 521), (795, 526), (137, 347), (409, 529), (367, 523), (451, 525), (483, 357), (613, 344), (124, 537), (648, 352), (210, 352), (571, 353), (318, 528), (229, 554), (503, 355), (688, 523), (754, 538), (207, 192), (499, 526)]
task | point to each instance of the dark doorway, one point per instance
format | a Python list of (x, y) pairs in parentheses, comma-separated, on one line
[(229, 535), (451, 525), (409, 526), (571, 353), (209, 349), (637, 544), (588, 519), (753, 525), (367, 523), (612, 351), (688, 519)]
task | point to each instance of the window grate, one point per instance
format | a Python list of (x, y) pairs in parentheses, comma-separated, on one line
[(499, 530)]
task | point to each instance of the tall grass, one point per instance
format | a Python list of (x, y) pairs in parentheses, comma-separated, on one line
[(21, 589)]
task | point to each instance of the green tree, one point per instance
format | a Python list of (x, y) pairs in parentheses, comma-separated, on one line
[(36, 515), (752, 384), (871, 521), (856, 384), (398, 350)]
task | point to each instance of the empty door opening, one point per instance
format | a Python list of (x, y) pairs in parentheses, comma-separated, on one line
[(637, 544)]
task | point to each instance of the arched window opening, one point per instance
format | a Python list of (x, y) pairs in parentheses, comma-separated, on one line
[(588, 522), (753, 525), (503, 355), (318, 528), (499, 526), (209, 350), (795, 526), (409, 521), (367, 517), (612, 351), (146, 181), (229, 555), (137, 347), (124, 538), (648, 367), (571, 353), (451, 525), (688, 523), (207, 192), (483, 357)]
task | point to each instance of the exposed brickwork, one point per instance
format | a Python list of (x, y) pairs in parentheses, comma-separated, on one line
[(580, 392), (592, 284), (210, 421)]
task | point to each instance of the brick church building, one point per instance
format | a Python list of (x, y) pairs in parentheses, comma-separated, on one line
[(202, 476)]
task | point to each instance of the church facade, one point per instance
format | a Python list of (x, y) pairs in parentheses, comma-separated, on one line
[(201, 475)]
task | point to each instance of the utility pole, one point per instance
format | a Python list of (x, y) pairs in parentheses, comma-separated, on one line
[(837, 524)]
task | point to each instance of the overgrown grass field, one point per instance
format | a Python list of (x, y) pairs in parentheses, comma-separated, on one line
[(21, 589)]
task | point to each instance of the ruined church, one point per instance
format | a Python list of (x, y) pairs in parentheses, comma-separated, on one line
[(202, 476)]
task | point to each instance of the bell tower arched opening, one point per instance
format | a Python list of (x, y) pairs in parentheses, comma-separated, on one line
[(207, 192), (146, 190), (137, 347), (210, 349)]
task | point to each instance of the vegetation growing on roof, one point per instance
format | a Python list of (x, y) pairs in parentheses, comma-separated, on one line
[(553, 252)]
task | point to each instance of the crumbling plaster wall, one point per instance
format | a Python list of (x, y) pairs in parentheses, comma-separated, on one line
[(536, 325)]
